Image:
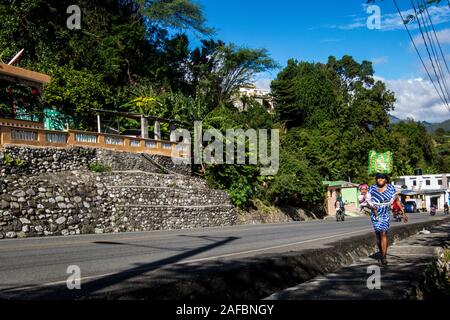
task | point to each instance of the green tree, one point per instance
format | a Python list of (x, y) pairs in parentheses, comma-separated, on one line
[(76, 93), (413, 148), (219, 69), (180, 14), (335, 113), (122, 43), (305, 95)]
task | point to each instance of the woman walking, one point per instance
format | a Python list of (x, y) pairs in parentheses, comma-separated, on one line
[(383, 195)]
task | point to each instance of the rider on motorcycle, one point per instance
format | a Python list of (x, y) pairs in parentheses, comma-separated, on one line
[(433, 209), (398, 210), (340, 209)]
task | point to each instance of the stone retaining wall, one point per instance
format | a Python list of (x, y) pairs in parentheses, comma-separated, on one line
[(34, 160), (82, 202)]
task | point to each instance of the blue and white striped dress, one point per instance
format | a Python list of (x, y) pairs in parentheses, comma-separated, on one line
[(382, 202)]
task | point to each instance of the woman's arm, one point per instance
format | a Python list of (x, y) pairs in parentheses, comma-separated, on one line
[(402, 209)]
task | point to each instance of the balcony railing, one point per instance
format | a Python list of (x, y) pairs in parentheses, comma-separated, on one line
[(10, 134)]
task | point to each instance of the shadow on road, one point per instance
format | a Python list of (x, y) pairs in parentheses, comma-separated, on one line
[(60, 292)]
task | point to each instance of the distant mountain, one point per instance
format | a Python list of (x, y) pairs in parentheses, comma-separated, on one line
[(394, 120), (431, 127), (434, 126)]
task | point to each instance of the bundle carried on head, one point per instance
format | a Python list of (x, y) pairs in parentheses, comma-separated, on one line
[(381, 162)]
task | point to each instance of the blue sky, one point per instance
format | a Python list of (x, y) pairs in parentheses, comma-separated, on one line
[(314, 30)]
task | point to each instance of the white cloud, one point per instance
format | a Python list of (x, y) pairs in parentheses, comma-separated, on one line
[(380, 60), (392, 21), (443, 36), (417, 99)]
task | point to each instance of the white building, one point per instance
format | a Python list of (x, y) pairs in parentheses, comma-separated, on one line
[(426, 189), (262, 96)]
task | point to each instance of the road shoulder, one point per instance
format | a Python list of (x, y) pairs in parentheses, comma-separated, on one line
[(409, 260)]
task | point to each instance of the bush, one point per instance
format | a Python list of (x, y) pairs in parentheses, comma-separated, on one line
[(99, 168), (9, 161), (297, 183), (238, 181), (241, 192)]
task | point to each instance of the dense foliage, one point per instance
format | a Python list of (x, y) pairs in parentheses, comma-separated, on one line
[(135, 55)]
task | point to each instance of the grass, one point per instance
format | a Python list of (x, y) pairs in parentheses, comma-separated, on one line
[(99, 167)]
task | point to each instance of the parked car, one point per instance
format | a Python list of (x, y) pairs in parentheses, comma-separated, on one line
[(411, 207)]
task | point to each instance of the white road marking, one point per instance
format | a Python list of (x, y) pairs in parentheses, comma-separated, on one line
[(275, 247), (204, 259), (146, 235)]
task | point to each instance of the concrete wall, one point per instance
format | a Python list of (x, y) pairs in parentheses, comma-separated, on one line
[(23, 133), (350, 197), (435, 182)]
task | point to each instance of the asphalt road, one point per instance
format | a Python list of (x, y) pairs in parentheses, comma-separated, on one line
[(42, 262)]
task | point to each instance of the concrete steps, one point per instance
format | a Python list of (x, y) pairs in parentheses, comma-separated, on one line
[(147, 179), (149, 201), (165, 196)]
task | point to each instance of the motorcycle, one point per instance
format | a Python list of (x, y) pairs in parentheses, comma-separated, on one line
[(398, 216), (433, 211), (340, 215)]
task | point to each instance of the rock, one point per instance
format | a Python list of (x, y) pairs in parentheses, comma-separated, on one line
[(14, 205), (11, 235), (60, 220), (4, 204), (21, 234), (18, 193), (25, 221)]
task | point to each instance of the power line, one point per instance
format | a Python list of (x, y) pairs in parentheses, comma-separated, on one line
[(437, 39), (418, 52), (434, 50), (444, 94)]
